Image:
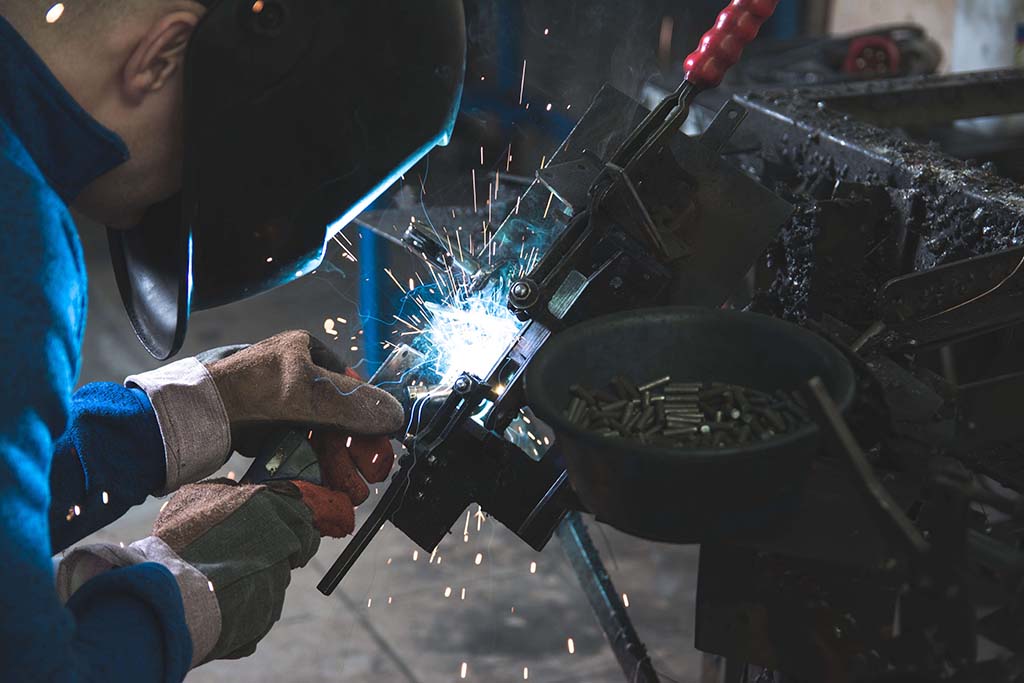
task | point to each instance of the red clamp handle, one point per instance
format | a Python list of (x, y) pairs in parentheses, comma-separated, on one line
[(722, 46)]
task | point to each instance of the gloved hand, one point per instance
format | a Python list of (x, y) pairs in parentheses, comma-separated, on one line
[(231, 548), (230, 398)]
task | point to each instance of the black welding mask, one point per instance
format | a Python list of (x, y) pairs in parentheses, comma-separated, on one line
[(298, 114)]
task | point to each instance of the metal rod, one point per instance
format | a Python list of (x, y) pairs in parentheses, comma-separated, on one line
[(604, 600), (389, 502)]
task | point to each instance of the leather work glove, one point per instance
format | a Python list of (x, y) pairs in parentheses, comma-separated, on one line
[(231, 549), (231, 398)]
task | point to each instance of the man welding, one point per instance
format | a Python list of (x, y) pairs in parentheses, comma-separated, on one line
[(222, 143)]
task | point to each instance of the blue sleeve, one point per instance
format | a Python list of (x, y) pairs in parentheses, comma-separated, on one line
[(42, 305), (122, 627), (109, 458)]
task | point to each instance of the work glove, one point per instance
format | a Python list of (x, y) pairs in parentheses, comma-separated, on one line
[(231, 549), (232, 398)]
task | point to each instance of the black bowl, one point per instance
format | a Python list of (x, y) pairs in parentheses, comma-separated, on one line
[(692, 495)]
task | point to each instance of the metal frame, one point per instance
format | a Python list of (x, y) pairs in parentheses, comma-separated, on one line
[(951, 273)]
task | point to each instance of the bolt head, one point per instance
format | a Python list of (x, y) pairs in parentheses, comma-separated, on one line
[(520, 290), (462, 385)]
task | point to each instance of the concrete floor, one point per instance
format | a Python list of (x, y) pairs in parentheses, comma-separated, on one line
[(394, 619)]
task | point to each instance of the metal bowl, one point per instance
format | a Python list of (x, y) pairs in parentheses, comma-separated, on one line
[(693, 495)]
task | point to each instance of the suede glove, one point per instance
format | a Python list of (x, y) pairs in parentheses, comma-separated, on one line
[(231, 548), (231, 398)]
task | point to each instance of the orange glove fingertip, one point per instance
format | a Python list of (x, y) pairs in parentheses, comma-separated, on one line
[(334, 515)]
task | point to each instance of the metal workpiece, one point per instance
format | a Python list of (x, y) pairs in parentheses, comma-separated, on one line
[(605, 600), (834, 133)]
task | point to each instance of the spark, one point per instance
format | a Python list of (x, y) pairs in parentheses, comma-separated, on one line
[(548, 108), (526, 673), (481, 155), (329, 328), (54, 13), (478, 559), (464, 671), (625, 600), (209, 584), (476, 206), (447, 591), (106, 498), (231, 475), (348, 442), (392, 276), (548, 207), (348, 253), (415, 555), (463, 596), (533, 567), (522, 83), (572, 646)]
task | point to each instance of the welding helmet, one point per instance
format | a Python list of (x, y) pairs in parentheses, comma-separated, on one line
[(298, 114)]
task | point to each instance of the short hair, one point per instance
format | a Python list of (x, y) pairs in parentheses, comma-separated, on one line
[(48, 23)]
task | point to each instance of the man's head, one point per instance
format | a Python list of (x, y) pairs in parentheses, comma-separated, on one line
[(123, 62), (257, 130)]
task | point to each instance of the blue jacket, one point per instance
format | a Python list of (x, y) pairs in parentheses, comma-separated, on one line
[(97, 451)]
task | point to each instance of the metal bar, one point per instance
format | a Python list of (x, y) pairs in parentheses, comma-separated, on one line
[(929, 100), (818, 133), (841, 442), (389, 502), (604, 601), (373, 304)]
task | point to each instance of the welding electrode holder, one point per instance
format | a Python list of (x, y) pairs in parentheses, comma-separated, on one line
[(721, 47), (718, 51)]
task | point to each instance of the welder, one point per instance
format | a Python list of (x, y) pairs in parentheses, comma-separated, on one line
[(222, 143)]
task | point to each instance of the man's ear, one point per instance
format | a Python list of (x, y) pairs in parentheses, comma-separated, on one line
[(158, 55)]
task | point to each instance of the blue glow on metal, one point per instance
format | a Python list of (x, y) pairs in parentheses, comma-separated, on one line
[(188, 278), (468, 332)]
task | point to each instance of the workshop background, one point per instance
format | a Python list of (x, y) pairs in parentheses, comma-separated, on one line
[(491, 609)]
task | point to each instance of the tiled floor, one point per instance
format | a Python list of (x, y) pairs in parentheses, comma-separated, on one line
[(391, 621)]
